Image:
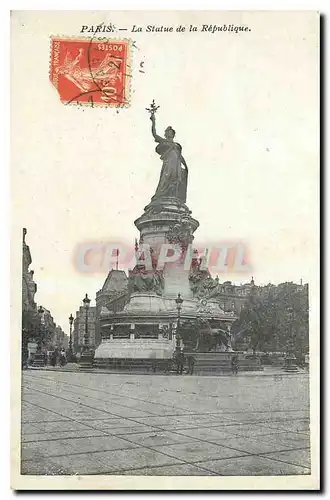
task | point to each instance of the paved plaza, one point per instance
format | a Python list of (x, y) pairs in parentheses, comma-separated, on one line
[(97, 423)]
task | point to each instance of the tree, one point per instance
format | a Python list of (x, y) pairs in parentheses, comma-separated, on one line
[(30, 322), (276, 319), (251, 329), (293, 319), (30, 329)]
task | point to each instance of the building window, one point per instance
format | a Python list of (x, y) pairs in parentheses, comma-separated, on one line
[(121, 335), (106, 335), (121, 332), (146, 331)]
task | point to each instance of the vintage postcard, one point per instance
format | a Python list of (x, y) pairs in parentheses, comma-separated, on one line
[(165, 250)]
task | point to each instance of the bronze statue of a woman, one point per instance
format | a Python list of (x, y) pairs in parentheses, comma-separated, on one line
[(174, 174)]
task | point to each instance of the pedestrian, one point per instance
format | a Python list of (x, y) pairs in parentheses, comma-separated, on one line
[(234, 364), (31, 359), (191, 363), (58, 356), (53, 358), (180, 362), (62, 358)]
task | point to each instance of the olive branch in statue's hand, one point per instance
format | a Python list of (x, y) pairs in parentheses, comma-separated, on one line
[(152, 110)]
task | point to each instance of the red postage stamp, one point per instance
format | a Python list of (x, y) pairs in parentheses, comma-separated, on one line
[(91, 72)]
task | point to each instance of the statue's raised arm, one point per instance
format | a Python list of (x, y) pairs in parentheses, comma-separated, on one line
[(152, 110), (153, 129)]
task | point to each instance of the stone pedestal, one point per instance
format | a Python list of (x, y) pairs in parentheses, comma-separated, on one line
[(39, 360), (168, 221), (86, 359), (290, 364), (135, 349), (176, 280), (166, 225)]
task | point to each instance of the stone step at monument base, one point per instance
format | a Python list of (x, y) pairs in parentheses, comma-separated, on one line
[(274, 360), (86, 366), (200, 368), (204, 364), (134, 364), (290, 364), (86, 360), (220, 362), (39, 360)]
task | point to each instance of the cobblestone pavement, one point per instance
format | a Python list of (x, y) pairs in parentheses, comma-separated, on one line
[(93, 423)]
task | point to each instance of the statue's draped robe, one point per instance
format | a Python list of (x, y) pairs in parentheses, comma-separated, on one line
[(173, 178)]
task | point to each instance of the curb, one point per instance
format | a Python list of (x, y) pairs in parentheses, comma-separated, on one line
[(251, 373)]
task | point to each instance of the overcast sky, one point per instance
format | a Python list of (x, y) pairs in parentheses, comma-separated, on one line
[(245, 109)]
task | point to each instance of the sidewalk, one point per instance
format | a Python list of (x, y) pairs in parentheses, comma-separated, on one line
[(268, 371), (79, 423)]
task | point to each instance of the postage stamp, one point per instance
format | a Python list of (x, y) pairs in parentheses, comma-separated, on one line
[(91, 71)]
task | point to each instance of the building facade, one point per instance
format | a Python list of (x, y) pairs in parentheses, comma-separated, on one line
[(29, 287), (79, 326), (113, 295), (47, 328), (30, 318), (60, 340), (37, 323), (232, 297)]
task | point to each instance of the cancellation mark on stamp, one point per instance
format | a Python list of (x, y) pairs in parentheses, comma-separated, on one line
[(91, 71)]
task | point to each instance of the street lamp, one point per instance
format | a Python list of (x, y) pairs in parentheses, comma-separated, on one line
[(86, 302), (290, 358), (71, 318), (86, 358), (39, 359), (25, 348), (40, 313), (179, 302), (178, 354)]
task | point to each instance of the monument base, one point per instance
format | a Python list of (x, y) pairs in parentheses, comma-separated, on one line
[(207, 363), (290, 364), (136, 364), (86, 359), (39, 360), (134, 352)]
